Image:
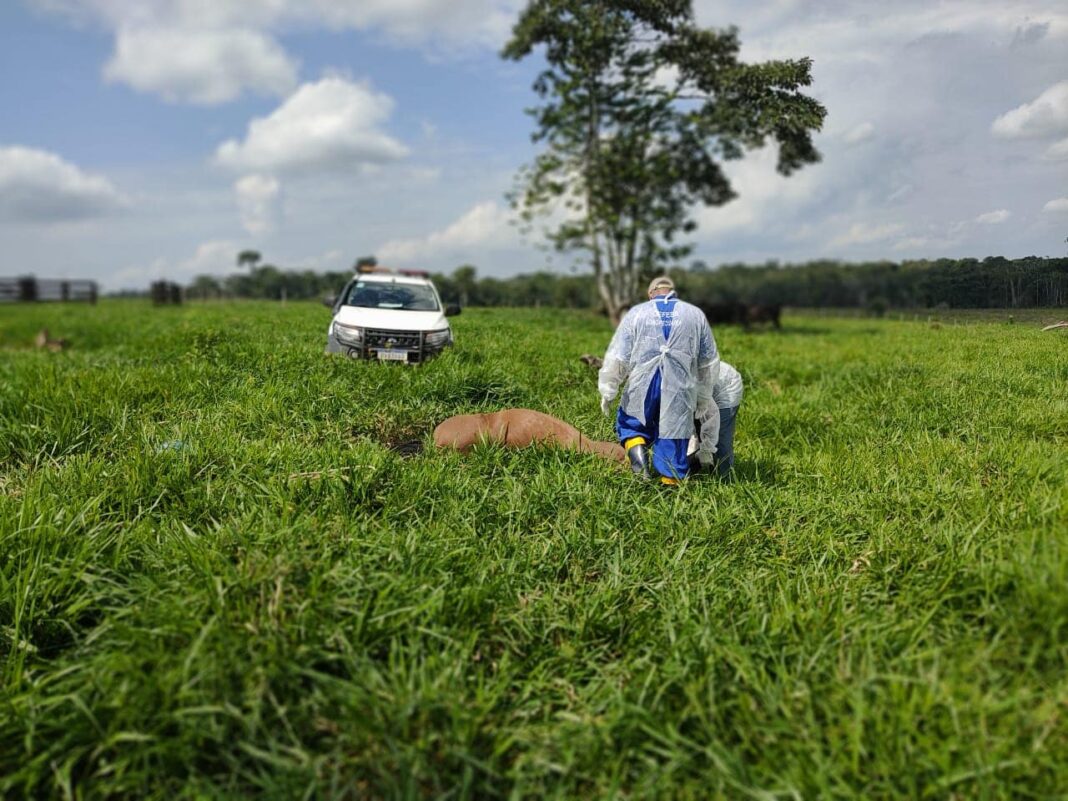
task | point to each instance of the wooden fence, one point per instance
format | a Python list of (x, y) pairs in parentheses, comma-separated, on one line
[(27, 289)]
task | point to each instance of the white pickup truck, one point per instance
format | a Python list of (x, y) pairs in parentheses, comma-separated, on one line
[(389, 316)]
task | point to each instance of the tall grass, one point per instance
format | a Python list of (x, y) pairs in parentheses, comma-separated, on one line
[(216, 579)]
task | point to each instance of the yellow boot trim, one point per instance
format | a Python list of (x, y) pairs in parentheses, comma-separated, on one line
[(674, 482), (630, 443)]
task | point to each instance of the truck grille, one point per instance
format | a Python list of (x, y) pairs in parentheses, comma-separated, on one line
[(401, 340)]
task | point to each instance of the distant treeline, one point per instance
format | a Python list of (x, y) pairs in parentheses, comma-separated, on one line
[(956, 283)]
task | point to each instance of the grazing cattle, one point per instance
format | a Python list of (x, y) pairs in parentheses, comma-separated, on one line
[(743, 314), (520, 428), (765, 313), (728, 313)]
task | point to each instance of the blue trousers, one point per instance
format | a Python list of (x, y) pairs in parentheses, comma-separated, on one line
[(669, 455), (725, 445)]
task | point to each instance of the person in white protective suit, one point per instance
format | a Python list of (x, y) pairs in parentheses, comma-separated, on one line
[(664, 354), (712, 448)]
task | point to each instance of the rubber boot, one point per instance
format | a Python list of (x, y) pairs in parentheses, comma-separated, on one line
[(639, 459)]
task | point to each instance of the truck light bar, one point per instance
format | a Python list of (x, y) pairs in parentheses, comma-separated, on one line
[(364, 269)]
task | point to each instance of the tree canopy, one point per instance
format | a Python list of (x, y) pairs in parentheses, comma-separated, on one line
[(249, 258), (639, 107)]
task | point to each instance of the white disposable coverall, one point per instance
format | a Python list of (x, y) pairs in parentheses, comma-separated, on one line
[(688, 362)]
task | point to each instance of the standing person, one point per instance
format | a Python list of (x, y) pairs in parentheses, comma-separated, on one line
[(665, 353), (713, 447)]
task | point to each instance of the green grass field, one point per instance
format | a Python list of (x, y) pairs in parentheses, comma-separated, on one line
[(282, 607)]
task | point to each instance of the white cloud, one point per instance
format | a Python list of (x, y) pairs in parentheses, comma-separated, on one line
[(866, 233), (764, 196), (200, 66), (257, 202), (1058, 151), (328, 125), (38, 186), (862, 133), (994, 217), (1058, 205), (1045, 116), (449, 22), (455, 22), (213, 257), (485, 225), (210, 51), (667, 77)]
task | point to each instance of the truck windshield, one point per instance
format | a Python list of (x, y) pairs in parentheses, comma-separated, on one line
[(378, 295)]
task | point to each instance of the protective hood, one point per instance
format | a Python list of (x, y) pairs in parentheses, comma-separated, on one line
[(728, 388)]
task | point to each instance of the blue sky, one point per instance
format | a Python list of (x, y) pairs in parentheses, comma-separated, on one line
[(156, 138)]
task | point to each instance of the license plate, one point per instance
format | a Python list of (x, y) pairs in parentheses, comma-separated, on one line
[(393, 355)]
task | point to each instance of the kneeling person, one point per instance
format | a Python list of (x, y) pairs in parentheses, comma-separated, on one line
[(713, 445)]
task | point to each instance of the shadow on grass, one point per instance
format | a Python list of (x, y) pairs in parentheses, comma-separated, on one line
[(766, 330), (407, 448), (756, 471), (819, 331), (793, 330)]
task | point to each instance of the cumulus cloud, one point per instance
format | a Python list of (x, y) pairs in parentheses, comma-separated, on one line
[(210, 52), (1045, 116), (332, 124), (257, 202), (994, 217), (765, 199), (1056, 206), (484, 225), (200, 66), (38, 186), (212, 257), (862, 133), (456, 22)]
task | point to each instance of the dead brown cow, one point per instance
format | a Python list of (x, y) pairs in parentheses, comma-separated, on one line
[(520, 428)]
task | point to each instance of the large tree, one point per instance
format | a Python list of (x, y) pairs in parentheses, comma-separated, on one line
[(638, 109)]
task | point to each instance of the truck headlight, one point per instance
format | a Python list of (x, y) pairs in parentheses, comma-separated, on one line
[(347, 333), (437, 339)]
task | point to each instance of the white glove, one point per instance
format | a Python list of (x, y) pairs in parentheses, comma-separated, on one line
[(709, 420), (706, 456), (606, 406)]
